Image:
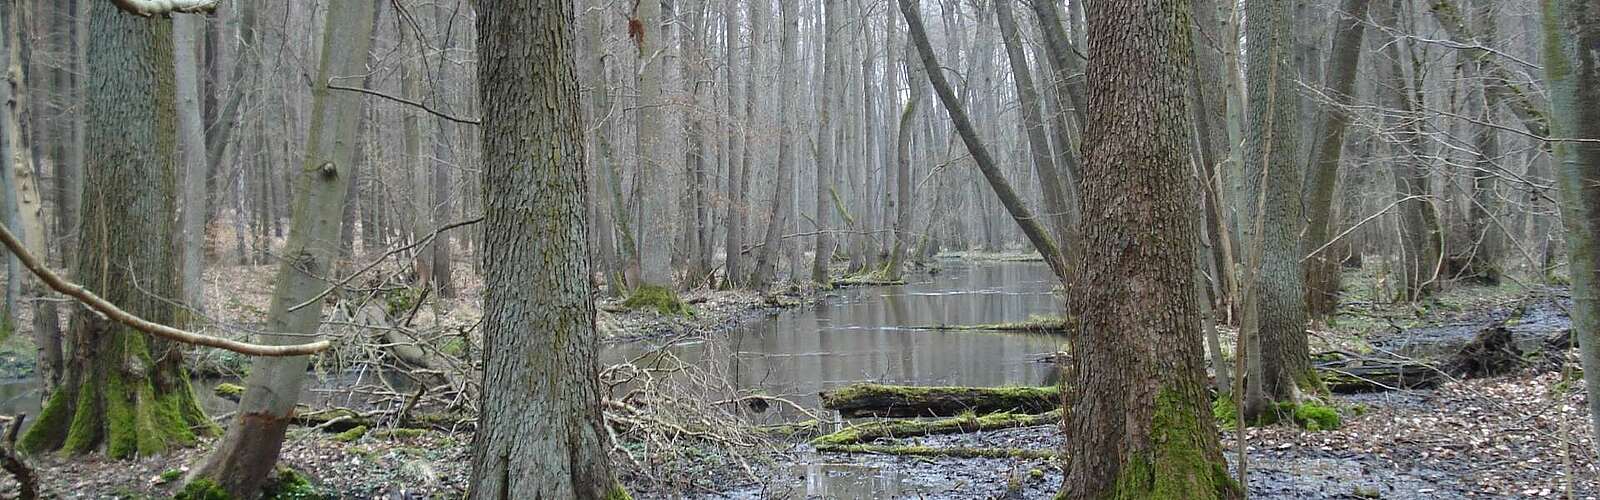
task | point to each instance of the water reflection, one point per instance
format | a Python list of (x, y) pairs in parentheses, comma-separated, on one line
[(867, 334)]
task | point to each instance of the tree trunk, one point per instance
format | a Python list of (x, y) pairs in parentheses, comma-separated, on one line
[(656, 208), (418, 172), (1322, 269), (1483, 238), (440, 186), (1572, 68), (1030, 226), (23, 199), (249, 451), (123, 390), (826, 195), (1038, 144), (738, 204), (783, 190), (1273, 179), (1420, 238), (1138, 406), (540, 433), (192, 140)]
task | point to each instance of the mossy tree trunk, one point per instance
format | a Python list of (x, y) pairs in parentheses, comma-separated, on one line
[(1279, 357), (248, 452), (1139, 411), (124, 392), (540, 431), (1572, 68)]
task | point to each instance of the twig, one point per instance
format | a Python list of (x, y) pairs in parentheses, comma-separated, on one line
[(408, 102), (113, 312), (425, 240)]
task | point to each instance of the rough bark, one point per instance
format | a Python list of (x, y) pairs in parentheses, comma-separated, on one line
[(1019, 212), (1137, 405), (123, 391), (248, 452), (540, 431), (1572, 68), (1322, 269), (1279, 361)]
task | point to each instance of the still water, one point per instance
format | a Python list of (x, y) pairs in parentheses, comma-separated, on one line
[(872, 334)]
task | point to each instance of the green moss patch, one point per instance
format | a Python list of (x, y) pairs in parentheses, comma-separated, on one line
[(659, 298), (228, 391), (289, 484), (203, 489), (350, 435)]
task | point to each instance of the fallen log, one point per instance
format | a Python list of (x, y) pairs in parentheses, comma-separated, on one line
[(1344, 373), (928, 451), (874, 400), (869, 432)]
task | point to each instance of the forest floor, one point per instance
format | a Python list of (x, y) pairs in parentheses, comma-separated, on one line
[(1520, 435)]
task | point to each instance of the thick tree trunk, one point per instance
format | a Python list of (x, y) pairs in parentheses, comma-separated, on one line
[(1322, 269), (540, 433), (1572, 68), (783, 191), (1138, 407), (249, 451), (123, 391), (656, 207), (738, 150), (1281, 364), (192, 139)]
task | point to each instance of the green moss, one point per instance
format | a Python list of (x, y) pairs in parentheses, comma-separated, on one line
[(618, 493), (929, 451), (291, 485), (203, 489), (170, 475), (1316, 417), (46, 431), (229, 391), (402, 433), (967, 422), (402, 300), (659, 298), (351, 435), (1178, 465), (1225, 411)]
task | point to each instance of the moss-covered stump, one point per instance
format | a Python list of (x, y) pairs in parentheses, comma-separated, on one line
[(875, 400), (869, 432), (124, 400), (928, 451), (657, 298)]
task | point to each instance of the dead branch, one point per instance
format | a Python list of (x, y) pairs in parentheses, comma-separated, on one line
[(113, 312)]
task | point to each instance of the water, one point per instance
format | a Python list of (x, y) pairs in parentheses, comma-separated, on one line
[(870, 334)]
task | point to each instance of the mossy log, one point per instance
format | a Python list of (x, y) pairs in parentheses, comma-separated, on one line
[(1354, 375), (929, 451), (1038, 324), (874, 400), (869, 432)]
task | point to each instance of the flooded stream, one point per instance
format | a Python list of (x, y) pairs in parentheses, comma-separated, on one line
[(872, 334)]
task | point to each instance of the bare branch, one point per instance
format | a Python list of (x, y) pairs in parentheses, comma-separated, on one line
[(110, 310), (408, 102), (148, 8)]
